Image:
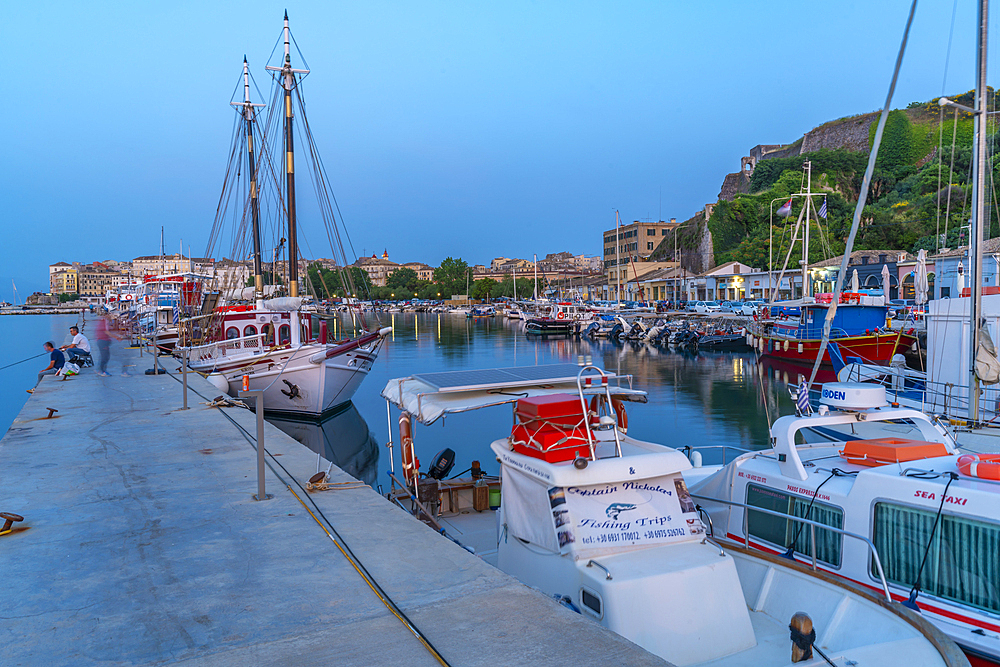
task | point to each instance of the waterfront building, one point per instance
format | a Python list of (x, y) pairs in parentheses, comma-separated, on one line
[(378, 268), (424, 271), (157, 265), (63, 279), (634, 242), (231, 274), (869, 265), (95, 279), (629, 278), (951, 267)]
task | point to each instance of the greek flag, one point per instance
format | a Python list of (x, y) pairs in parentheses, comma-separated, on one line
[(822, 209), (802, 402), (177, 314)]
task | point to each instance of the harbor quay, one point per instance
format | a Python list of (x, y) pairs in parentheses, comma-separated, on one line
[(142, 543)]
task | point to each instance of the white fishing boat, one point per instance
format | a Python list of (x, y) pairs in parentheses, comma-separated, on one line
[(276, 346), (604, 523), (931, 512)]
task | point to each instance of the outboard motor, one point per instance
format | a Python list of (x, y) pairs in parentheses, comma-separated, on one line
[(444, 461)]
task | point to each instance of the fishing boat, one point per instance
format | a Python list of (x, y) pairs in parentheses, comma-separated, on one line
[(604, 523), (549, 326), (930, 511), (276, 346)]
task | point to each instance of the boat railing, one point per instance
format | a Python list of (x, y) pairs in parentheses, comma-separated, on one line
[(687, 449), (945, 398), (580, 382), (812, 533), (220, 348)]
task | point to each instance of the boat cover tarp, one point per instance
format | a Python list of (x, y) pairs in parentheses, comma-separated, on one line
[(987, 366), (427, 404), (526, 509)]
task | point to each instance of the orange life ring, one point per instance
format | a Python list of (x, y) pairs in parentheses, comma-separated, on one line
[(561, 315), (619, 407), (983, 466), (411, 464)]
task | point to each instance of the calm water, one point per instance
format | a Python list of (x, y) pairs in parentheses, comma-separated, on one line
[(708, 399)]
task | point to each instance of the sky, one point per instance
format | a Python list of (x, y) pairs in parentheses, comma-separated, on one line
[(465, 129)]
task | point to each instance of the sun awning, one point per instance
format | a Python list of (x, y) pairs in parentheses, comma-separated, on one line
[(428, 396)]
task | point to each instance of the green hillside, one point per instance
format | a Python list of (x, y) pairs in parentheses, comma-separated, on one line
[(913, 193)]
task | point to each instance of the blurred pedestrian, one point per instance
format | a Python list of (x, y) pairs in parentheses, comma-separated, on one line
[(103, 335)]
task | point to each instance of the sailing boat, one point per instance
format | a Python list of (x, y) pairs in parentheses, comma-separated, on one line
[(273, 345), (793, 330)]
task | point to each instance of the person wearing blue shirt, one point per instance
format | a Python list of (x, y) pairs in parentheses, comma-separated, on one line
[(56, 362)]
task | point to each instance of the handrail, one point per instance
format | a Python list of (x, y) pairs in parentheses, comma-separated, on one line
[(607, 572), (809, 522)]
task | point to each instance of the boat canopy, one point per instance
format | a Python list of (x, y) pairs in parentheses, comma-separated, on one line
[(428, 396)]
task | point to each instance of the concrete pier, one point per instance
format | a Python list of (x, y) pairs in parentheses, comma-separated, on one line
[(142, 545)]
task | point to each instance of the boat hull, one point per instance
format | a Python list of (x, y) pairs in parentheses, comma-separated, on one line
[(876, 349), (292, 383)]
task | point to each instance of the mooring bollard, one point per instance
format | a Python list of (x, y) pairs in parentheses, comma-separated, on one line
[(258, 396), (184, 377)]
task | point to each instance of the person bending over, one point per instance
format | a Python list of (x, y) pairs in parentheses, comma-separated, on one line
[(56, 361)]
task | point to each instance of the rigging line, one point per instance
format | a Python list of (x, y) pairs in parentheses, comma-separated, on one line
[(937, 226), (947, 53), (334, 536), (951, 176), (862, 199)]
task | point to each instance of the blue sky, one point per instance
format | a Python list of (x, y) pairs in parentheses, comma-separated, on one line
[(448, 128)]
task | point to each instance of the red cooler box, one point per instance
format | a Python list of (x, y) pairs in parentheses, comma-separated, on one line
[(550, 428)]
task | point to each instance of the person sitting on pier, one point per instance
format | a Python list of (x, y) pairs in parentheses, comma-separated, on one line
[(56, 362), (79, 350)]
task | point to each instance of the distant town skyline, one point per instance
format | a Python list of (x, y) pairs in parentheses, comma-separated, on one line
[(448, 129)]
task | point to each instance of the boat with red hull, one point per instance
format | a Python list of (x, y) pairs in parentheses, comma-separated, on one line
[(793, 331)]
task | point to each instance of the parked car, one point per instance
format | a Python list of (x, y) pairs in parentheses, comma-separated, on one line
[(727, 306), (707, 307), (747, 308), (692, 306)]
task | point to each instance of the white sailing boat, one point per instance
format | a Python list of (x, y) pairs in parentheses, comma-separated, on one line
[(276, 345)]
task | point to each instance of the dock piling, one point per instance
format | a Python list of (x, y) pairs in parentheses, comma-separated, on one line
[(258, 397)]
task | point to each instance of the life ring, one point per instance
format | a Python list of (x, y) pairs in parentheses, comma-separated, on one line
[(592, 412), (619, 407), (411, 464), (983, 466), (561, 315)]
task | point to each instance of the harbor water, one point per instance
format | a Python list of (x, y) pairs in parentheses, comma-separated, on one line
[(718, 399)]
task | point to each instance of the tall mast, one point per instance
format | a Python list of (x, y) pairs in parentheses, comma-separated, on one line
[(806, 291), (618, 259), (288, 82), (979, 210), (247, 112)]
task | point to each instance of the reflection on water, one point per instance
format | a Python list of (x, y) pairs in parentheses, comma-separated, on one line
[(343, 438), (709, 399)]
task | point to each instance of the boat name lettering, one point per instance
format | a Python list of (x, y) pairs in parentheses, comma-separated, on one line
[(807, 492), (930, 495), (592, 492), (653, 520), (836, 395), (511, 461), (636, 486), (592, 523), (754, 478)]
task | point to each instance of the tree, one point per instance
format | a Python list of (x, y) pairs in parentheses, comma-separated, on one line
[(270, 278), (326, 283), (452, 277), (403, 280), (482, 289)]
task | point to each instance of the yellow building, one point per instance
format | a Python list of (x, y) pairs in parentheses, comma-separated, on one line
[(634, 242), (63, 279)]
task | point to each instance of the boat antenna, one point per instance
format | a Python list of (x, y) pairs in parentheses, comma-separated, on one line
[(247, 111), (288, 83)]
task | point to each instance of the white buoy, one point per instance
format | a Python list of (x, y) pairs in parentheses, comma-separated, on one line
[(218, 381)]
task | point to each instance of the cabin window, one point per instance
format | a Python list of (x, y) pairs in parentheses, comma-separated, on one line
[(962, 563), (284, 334), (232, 332), (591, 601), (249, 331), (781, 532), (267, 331)]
